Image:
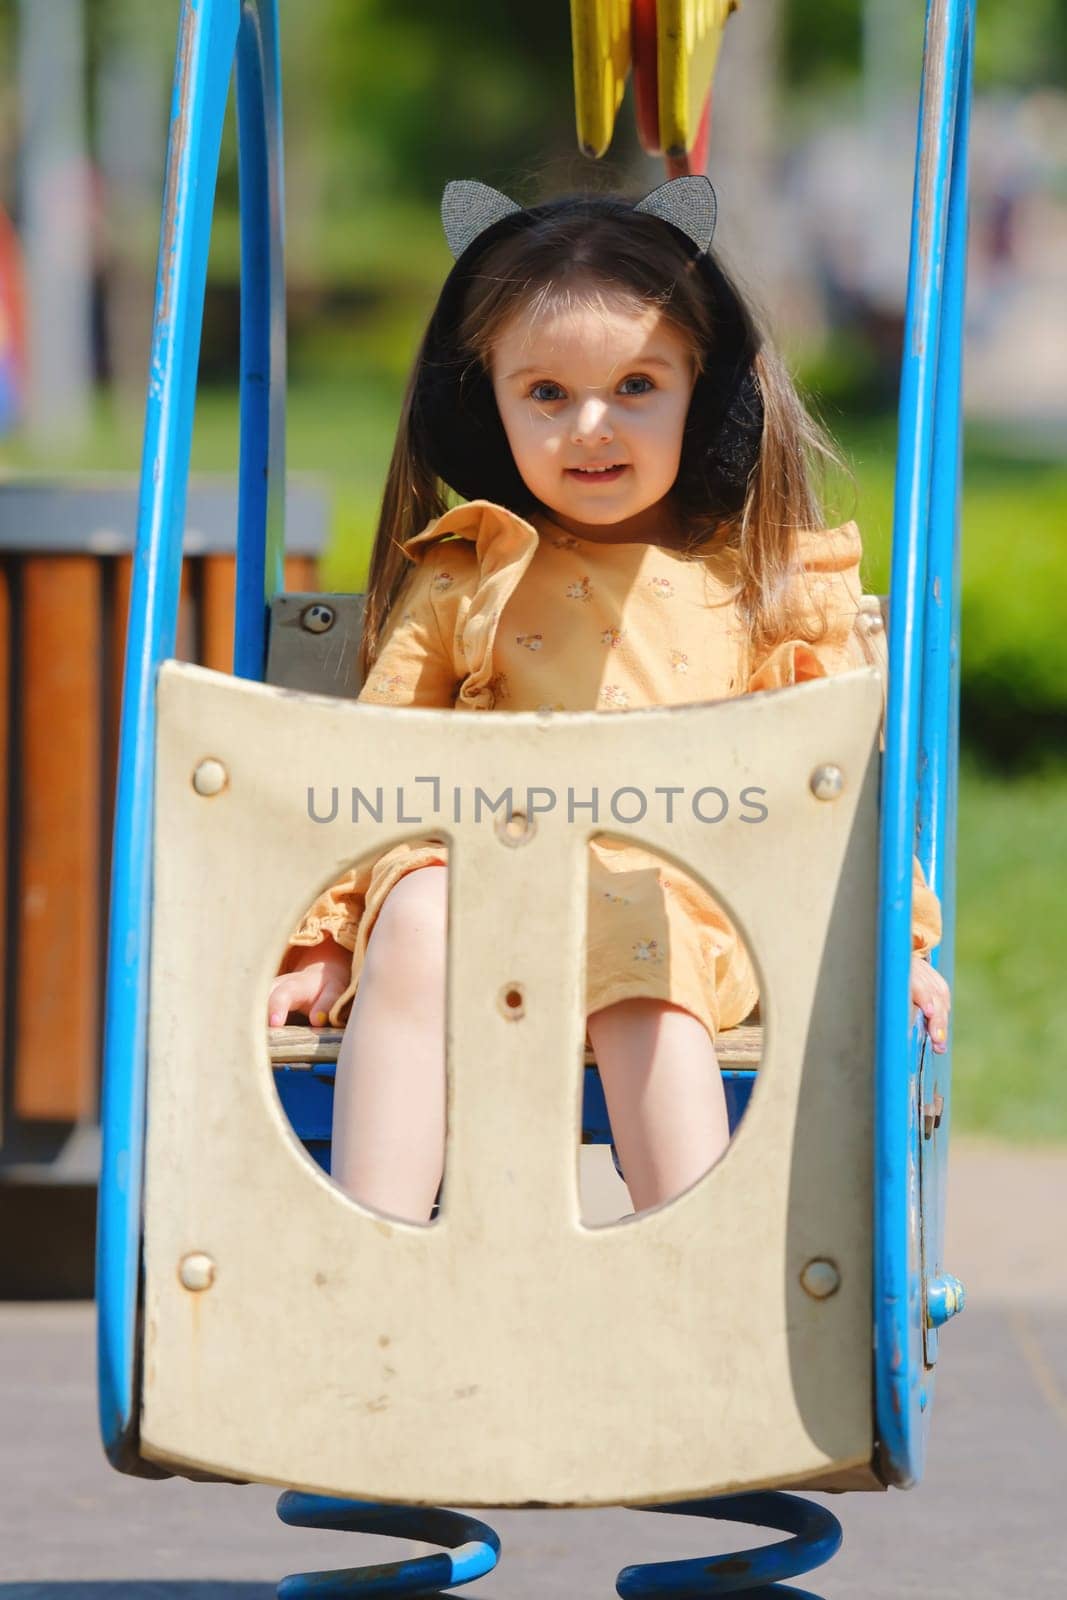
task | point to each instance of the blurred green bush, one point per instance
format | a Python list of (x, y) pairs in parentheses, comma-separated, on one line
[(1013, 679)]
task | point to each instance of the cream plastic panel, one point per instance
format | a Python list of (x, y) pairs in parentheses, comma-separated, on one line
[(508, 1354)]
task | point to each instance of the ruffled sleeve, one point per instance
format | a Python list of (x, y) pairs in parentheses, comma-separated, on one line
[(829, 576), (830, 561), (925, 913), (337, 911)]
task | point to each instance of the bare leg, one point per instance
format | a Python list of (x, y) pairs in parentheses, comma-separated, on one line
[(664, 1094), (389, 1100)]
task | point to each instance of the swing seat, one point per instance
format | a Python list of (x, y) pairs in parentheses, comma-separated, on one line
[(479, 1361)]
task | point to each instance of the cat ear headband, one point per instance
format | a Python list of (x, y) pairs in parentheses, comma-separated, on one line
[(468, 208), (455, 424)]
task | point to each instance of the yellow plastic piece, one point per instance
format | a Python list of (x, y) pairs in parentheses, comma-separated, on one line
[(600, 36), (689, 37)]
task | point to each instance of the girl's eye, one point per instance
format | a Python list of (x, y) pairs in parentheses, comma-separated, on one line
[(536, 394), (645, 385)]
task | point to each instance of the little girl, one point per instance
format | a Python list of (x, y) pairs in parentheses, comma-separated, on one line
[(640, 528)]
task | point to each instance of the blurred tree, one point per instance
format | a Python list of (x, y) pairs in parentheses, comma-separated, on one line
[(822, 40), (1018, 46), (1014, 45), (418, 93)]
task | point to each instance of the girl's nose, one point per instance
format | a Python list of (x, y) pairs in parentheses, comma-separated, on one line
[(592, 424)]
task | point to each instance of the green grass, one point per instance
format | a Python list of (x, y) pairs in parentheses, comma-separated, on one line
[(1009, 1022)]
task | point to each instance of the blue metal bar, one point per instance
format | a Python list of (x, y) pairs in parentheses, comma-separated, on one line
[(923, 633), (938, 751), (206, 40), (939, 768), (261, 521)]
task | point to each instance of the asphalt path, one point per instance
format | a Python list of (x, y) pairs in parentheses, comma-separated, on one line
[(985, 1522)]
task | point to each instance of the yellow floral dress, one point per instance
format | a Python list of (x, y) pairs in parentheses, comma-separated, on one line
[(503, 614)]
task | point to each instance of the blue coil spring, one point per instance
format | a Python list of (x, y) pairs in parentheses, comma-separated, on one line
[(473, 1549)]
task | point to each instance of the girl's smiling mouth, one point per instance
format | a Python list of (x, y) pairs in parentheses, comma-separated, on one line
[(595, 474)]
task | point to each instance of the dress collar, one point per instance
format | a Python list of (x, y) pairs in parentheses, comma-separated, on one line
[(504, 544), (499, 535)]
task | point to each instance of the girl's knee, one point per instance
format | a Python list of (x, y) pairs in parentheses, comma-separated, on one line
[(409, 931), (632, 1006)]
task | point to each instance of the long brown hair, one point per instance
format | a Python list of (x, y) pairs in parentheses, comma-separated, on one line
[(566, 259)]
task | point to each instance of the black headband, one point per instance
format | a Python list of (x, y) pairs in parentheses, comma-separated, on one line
[(455, 424)]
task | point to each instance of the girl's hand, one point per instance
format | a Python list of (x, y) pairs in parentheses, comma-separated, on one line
[(930, 994), (319, 977)]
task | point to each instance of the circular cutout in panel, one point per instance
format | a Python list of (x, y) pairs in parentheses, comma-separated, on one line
[(673, 1037), (666, 969)]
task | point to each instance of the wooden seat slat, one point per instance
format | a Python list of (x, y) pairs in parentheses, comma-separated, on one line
[(296, 1046)]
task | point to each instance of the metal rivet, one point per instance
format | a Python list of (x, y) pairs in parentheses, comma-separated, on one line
[(512, 1001), (827, 782), (317, 618), (196, 1271), (820, 1279), (210, 777), (945, 1299), (516, 829), (932, 1113)]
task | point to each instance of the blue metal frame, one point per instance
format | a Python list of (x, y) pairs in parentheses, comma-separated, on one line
[(261, 520), (211, 34), (921, 762), (920, 771)]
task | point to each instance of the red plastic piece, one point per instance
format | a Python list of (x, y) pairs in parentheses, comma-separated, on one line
[(696, 159), (644, 53)]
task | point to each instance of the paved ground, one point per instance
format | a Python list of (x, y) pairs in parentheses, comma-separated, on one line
[(983, 1525)]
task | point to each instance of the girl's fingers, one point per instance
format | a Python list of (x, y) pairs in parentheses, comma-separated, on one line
[(323, 1004), (932, 999), (278, 1006), (290, 993), (312, 989), (937, 1021)]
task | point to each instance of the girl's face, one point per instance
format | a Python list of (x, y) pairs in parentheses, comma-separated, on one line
[(593, 401)]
